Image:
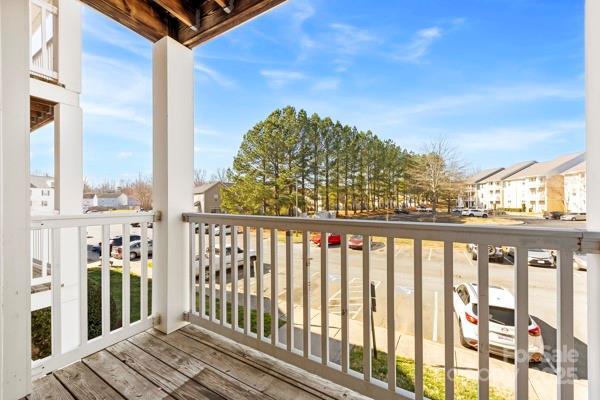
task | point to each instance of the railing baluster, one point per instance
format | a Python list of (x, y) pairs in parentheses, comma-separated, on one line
[(448, 320), (211, 273), (324, 298), (83, 280), (234, 278), (391, 321), (418, 315), (105, 278), (483, 311), (260, 321), (192, 252), (144, 271), (247, 266), (125, 278), (56, 294), (344, 301), (521, 278), (366, 275), (223, 274), (306, 329), (289, 289), (202, 268), (274, 288), (565, 341)]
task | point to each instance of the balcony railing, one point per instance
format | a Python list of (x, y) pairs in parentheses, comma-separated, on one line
[(64, 259), (237, 310), (44, 29)]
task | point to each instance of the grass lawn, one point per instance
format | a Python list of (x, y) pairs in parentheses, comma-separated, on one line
[(433, 377), (253, 316), (41, 331)]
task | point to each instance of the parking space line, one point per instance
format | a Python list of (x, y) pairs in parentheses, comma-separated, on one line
[(430, 251), (434, 334), (467, 257)]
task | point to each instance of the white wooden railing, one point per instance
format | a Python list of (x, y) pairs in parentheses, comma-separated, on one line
[(60, 243), (44, 30), (206, 290)]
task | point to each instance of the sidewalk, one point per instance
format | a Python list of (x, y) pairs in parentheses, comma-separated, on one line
[(542, 385)]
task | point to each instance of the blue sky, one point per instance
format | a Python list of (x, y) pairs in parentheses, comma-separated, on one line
[(501, 79)]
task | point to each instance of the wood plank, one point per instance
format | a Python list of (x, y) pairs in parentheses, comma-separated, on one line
[(254, 377), (164, 376), (84, 384), (49, 388), (123, 379), (213, 381), (141, 16), (215, 21), (182, 10), (313, 384)]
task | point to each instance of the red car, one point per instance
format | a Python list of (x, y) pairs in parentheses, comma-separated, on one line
[(356, 242), (332, 239)]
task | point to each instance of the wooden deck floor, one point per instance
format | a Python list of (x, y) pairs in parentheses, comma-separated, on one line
[(191, 363)]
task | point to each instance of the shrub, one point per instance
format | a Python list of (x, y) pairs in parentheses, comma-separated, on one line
[(95, 310)]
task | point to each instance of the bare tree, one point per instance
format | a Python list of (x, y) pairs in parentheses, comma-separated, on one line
[(199, 177), (219, 176), (437, 172), (141, 189)]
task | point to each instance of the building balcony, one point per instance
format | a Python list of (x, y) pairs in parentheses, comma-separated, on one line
[(44, 49), (299, 330)]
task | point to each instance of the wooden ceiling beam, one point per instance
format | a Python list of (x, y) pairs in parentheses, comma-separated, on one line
[(225, 5), (214, 21), (182, 10), (142, 16)]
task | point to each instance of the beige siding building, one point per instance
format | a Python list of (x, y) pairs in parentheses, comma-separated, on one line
[(574, 187), (490, 191), (207, 197), (539, 187), (470, 199)]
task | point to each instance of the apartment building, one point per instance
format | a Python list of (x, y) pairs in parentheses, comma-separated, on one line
[(490, 190), (469, 198), (575, 188), (539, 187), (42, 195)]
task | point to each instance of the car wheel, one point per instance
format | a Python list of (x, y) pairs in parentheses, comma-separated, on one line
[(474, 256), (132, 255), (573, 219), (484, 216), (471, 215)]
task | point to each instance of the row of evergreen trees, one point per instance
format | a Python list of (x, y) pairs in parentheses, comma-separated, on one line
[(292, 159)]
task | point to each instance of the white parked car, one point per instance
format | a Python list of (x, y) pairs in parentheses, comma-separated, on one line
[(502, 322), (135, 250), (239, 258), (495, 253), (573, 217), (535, 257), (580, 262), (475, 212)]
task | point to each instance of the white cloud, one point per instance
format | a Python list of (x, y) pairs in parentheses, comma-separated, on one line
[(350, 39), (280, 78), (215, 76), (326, 84), (124, 155), (414, 51)]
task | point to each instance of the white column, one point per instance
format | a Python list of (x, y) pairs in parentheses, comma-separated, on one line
[(15, 263), (592, 87), (68, 189), (173, 169), (69, 44)]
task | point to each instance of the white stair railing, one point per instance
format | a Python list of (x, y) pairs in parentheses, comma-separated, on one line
[(48, 277), (44, 28), (208, 292)]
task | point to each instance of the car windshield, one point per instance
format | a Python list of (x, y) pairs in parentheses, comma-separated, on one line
[(499, 315)]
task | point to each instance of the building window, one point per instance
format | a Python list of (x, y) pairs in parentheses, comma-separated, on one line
[(44, 203)]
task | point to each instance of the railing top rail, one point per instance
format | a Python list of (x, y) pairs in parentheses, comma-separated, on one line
[(59, 221), (577, 239)]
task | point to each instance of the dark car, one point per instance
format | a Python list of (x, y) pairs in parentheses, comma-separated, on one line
[(401, 211), (553, 214), (117, 241)]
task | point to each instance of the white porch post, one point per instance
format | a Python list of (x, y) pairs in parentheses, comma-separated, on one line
[(15, 263), (68, 185), (592, 87), (173, 169)]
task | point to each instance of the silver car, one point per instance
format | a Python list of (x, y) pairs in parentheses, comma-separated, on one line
[(573, 217)]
